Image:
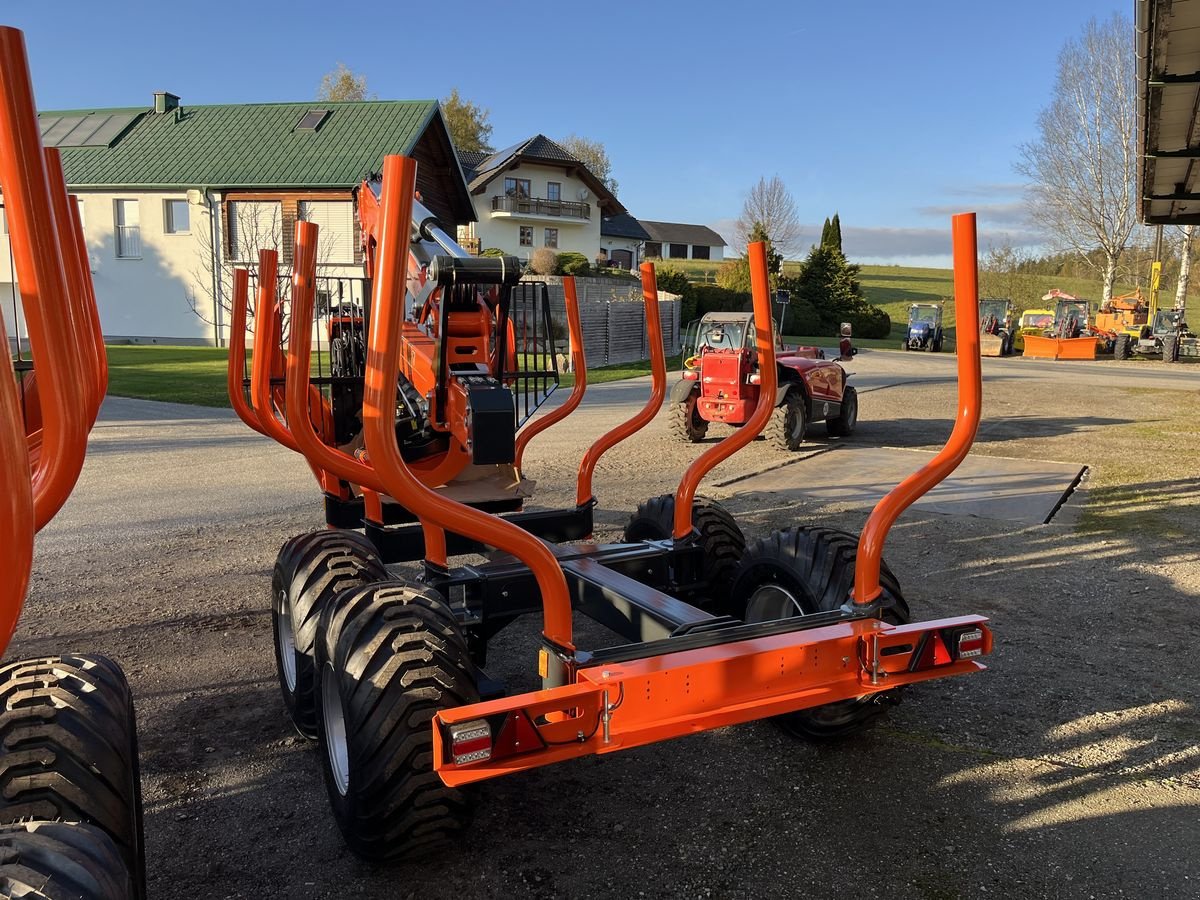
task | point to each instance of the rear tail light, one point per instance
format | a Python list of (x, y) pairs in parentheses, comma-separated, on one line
[(470, 742), (948, 645), (970, 643), (494, 738), (690, 375), (755, 378)]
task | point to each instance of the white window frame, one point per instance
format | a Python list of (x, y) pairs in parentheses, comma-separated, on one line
[(272, 241), (335, 240), (169, 218), (546, 238), (127, 236)]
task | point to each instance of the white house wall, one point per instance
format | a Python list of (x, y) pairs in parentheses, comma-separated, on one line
[(504, 231)]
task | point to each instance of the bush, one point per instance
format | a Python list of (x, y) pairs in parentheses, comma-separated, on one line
[(492, 251), (871, 323), (713, 298), (802, 318), (543, 261), (734, 275), (672, 281), (572, 263)]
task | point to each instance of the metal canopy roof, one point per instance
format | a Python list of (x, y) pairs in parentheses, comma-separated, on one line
[(1168, 98)]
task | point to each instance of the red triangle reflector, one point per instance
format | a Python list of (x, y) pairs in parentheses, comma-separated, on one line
[(517, 735), (934, 652)]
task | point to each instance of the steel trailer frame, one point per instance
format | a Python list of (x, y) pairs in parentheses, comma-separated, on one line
[(686, 669)]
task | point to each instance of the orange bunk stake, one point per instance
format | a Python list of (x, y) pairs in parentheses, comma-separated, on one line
[(237, 352), (578, 363), (379, 415), (43, 285), (658, 390), (16, 506), (765, 346), (970, 401)]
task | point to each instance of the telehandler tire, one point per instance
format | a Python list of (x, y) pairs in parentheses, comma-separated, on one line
[(847, 419), (390, 656), (685, 422), (789, 422), (69, 750), (311, 569), (798, 572), (1121, 347)]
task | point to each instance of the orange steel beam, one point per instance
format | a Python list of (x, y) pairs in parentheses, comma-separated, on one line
[(37, 259), (658, 390), (16, 505), (92, 310), (764, 340), (379, 413), (575, 330), (970, 401), (236, 372), (676, 694)]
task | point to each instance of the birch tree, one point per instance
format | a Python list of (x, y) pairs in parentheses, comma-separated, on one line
[(1185, 267), (770, 205), (1083, 164)]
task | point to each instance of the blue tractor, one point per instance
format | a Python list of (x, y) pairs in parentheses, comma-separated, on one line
[(924, 327)]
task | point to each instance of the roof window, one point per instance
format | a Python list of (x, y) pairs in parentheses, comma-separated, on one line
[(312, 120)]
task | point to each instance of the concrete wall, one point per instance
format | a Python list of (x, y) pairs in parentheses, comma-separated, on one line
[(502, 230)]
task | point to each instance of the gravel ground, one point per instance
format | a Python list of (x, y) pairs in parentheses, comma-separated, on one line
[(1069, 769)]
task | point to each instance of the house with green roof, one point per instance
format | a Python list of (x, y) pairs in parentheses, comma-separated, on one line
[(173, 197)]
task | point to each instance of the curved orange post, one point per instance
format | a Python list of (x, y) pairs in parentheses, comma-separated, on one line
[(236, 372), (575, 330), (379, 413), (266, 348), (658, 390), (970, 401), (85, 365), (764, 341), (43, 285), (92, 309), (16, 506), (299, 362)]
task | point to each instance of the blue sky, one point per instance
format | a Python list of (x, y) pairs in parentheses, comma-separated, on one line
[(894, 114)]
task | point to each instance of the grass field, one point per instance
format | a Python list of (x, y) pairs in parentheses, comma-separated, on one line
[(196, 375)]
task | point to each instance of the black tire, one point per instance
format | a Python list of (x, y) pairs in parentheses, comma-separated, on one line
[(68, 749), (936, 344), (685, 422), (847, 419), (812, 569), (1170, 348), (720, 537), (62, 861), (1121, 347), (390, 656), (789, 422), (311, 569)]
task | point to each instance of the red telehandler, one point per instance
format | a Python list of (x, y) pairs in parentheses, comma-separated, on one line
[(70, 794)]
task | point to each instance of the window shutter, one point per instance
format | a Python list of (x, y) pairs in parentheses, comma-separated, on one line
[(335, 219)]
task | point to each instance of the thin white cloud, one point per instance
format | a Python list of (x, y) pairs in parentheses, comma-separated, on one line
[(989, 214)]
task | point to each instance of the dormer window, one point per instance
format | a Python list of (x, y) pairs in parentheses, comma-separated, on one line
[(312, 120)]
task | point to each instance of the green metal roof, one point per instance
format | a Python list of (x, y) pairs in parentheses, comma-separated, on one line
[(254, 145)]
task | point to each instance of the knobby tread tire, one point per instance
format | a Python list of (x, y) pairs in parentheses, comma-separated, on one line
[(1121, 347), (816, 565), (310, 570), (682, 424), (398, 656), (847, 419), (1170, 349), (68, 749), (62, 861), (789, 422), (720, 537)]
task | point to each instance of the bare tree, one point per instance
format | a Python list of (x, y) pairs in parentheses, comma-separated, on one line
[(1083, 165), (1185, 266), (342, 84), (770, 205)]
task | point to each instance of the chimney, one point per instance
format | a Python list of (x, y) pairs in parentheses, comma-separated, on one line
[(165, 101)]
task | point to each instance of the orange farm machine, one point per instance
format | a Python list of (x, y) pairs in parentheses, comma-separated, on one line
[(1072, 334), (390, 673), (70, 796)]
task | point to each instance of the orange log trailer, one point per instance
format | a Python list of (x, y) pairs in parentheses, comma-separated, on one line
[(70, 799), (714, 632)]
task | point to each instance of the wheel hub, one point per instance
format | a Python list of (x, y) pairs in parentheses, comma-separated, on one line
[(772, 602), (336, 748), (287, 641)]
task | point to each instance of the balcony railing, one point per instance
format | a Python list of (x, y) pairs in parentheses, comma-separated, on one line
[(129, 242), (536, 206)]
